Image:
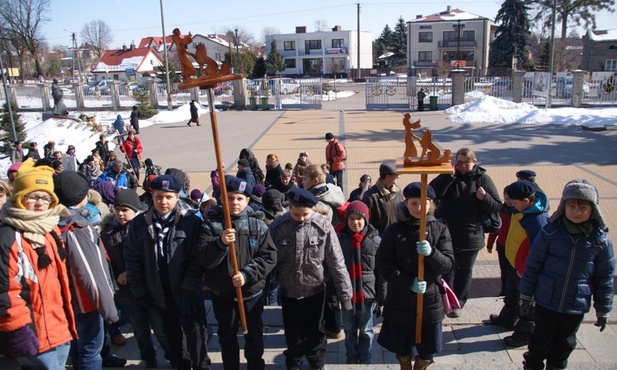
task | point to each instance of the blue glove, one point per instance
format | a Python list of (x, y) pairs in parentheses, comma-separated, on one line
[(189, 302), (424, 248), (418, 287), (23, 342)]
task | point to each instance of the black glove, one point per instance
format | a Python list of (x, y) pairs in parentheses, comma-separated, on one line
[(23, 342), (347, 306), (188, 302), (601, 323), (525, 303), (333, 302), (377, 311)]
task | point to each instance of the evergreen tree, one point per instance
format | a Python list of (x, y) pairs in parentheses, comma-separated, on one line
[(399, 43), (7, 131), (543, 59), (275, 61), (173, 76), (143, 104), (511, 37), (386, 37)]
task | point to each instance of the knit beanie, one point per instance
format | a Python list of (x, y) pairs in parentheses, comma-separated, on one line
[(357, 207), (583, 190), (71, 187), (30, 179), (273, 200), (107, 190), (128, 198), (196, 194)]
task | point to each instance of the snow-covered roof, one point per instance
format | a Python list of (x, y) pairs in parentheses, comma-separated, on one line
[(602, 35), (120, 60), (448, 16)]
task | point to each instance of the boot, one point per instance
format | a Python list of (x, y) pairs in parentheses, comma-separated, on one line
[(405, 362), (420, 364)]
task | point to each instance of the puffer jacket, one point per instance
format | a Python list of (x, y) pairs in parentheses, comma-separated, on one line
[(397, 262), (330, 197), (308, 254), (564, 274), (255, 253), (372, 285)]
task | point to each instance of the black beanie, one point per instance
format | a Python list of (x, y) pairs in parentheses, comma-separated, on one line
[(71, 187), (128, 198)]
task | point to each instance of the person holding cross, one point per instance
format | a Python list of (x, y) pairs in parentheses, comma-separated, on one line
[(397, 262)]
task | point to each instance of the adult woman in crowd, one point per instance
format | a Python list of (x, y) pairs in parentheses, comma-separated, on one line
[(464, 197), (132, 149)]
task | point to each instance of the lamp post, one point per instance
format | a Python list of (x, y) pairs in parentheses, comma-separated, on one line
[(458, 27), (551, 56), (237, 55), (6, 96), (168, 89)]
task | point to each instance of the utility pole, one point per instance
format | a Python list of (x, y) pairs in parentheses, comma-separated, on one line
[(169, 105), (77, 58), (551, 56), (237, 55), (358, 5)]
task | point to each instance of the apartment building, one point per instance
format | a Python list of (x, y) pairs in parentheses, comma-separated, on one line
[(600, 50)]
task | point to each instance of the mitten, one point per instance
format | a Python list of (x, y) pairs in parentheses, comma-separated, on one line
[(601, 323), (347, 306), (424, 248), (377, 311), (188, 302), (525, 303), (418, 287), (23, 342)]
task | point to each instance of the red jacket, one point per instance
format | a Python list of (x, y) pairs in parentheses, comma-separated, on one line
[(129, 149), (32, 296), (335, 155)]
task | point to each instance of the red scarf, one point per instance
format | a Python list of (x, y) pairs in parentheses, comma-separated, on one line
[(355, 270)]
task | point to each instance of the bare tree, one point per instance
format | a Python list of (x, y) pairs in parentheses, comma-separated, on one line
[(320, 26), (244, 36), (268, 31), (98, 34), (23, 19), (578, 12)]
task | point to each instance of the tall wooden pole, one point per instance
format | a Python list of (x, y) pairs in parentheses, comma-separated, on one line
[(227, 215), (421, 237)]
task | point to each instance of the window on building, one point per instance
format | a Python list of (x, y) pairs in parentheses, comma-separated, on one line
[(313, 65), (425, 37), (449, 35), (289, 45), (290, 63), (469, 35), (338, 43), (610, 65), (467, 55), (425, 56), (312, 44)]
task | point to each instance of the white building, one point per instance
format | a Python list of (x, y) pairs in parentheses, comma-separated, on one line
[(451, 39), (323, 53)]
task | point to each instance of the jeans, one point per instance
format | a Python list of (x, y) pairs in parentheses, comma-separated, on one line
[(55, 358), (359, 332), (86, 350), (459, 278)]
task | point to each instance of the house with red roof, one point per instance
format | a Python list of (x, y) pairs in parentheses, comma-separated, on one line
[(131, 62)]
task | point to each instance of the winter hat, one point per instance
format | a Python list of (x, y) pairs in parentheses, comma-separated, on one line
[(204, 198), (71, 187), (128, 198), (528, 175), (196, 194), (43, 162), (357, 207), (273, 200), (413, 190), (329, 136), (386, 169), (107, 190), (520, 189), (237, 185), (13, 168), (583, 190), (148, 162), (180, 176), (303, 197), (259, 190), (55, 164), (29, 179), (243, 162), (89, 159), (166, 183)]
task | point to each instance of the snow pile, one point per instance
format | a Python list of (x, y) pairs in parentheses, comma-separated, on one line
[(493, 110)]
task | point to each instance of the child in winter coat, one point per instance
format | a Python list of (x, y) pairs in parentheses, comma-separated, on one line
[(562, 290), (397, 262), (359, 242)]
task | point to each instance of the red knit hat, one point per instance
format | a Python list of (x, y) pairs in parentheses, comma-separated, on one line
[(358, 207)]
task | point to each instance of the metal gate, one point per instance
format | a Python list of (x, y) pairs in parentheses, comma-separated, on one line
[(290, 93), (387, 93)]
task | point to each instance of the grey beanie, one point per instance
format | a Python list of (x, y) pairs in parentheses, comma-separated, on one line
[(584, 190)]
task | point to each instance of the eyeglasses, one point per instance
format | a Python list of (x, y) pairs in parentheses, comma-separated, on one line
[(459, 163), (34, 198)]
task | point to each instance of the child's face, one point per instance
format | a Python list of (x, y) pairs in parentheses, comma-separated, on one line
[(578, 211), (237, 203), (164, 201), (356, 222), (124, 214), (285, 180), (303, 158), (506, 199), (308, 183), (520, 204), (300, 213), (414, 206), (2, 198)]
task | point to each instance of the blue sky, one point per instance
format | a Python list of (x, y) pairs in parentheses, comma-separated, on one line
[(130, 20)]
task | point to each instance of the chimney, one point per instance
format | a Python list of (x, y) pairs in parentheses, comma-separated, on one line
[(301, 29), (448, 9), (132, 44), (418, 16), (123, 47), (336, 28)]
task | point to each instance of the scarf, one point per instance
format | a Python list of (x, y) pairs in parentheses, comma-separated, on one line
[(161, 229), (577, 230), (355, 271), (34, 226)]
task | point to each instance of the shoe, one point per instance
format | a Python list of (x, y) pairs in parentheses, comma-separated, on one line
[(333, 335), (198, 124), (351, 361), (152, 364), (365, 362), (499, 320), (188, 124), (119, 340), (456, 313), (114, 361), (515, 341)]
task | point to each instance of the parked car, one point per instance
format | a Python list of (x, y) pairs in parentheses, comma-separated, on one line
[(127, 88), (102, 87), (501, 87), (286, 85)]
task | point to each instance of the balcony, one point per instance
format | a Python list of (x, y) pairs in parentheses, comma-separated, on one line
[(457, 43), (334, 51), (312, 52)]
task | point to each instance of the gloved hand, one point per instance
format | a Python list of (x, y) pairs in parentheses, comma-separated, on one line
[(333, 302), (23, 342), (188, 302), (601, 323), (347, 306), (418, 287), (525, 303), (424, 248), (378, 310)]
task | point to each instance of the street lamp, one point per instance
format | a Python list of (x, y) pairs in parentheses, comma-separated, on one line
[(237, 55), (6, 96), (169, 107), (458, 27)]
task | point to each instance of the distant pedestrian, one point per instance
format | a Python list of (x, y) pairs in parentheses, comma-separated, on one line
[(421, 95), (335, 158), (298, 170), (363, 186), (135, 115), (194, 114), (132, 149), (120, 129), (17, 152)]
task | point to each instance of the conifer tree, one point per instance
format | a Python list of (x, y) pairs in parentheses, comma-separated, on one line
[(399, 43), (511, 37), (275, 61), (7, 131)]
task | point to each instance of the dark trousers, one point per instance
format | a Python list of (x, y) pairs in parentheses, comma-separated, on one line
[(503, 266), (226, 313), (332, 311), (420, 104), (145, 318), (525, 324), (553, 339), (459, 278), (338, 175), (304, 332)]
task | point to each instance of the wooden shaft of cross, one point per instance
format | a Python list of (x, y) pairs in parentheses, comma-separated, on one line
[(421, 237), (225, 203)]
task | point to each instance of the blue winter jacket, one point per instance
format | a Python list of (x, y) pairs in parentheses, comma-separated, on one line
[(563, 274)]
